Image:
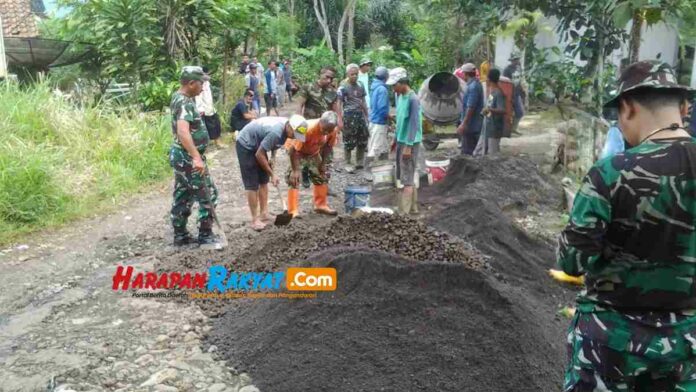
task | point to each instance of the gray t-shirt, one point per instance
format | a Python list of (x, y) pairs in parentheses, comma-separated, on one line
[(352, 96), (495, 122), (266, 132)]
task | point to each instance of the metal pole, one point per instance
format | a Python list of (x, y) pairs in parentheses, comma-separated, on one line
[(3, 63)]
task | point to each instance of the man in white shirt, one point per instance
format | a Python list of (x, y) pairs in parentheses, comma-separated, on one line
[(206, 107)]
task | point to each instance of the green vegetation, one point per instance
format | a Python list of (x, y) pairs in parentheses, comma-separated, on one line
[(58, 162)]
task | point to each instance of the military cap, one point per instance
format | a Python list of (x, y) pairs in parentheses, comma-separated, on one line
[(192, 72), (646, 74)]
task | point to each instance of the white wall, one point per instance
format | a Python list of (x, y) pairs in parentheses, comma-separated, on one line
[(657, 39)]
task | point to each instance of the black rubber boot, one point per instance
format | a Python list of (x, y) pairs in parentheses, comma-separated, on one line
[(207, 240), (183, 237), (360, 158)]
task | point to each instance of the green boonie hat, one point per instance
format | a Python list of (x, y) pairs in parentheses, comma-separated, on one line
[(365, 61), (192, 72), (649, 74)]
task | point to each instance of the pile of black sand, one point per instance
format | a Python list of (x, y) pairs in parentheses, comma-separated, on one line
[(392, 325), (476, 201)]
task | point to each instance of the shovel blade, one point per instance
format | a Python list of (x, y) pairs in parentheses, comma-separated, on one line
[(283, 219)]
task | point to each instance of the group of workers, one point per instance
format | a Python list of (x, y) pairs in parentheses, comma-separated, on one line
[(359, 112), (485, 120), (631, 234)]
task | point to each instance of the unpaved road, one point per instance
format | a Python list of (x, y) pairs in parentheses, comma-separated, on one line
[(63, 328)]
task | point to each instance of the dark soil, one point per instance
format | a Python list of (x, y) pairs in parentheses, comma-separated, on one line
[(416, 309), (475, 202), (281, 247), (392, 325)]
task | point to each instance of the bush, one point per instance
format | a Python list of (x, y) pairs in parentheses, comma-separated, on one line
[(59, 162), (156, 94)]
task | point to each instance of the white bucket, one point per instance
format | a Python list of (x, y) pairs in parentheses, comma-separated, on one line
[(437, 170), (383, 175)]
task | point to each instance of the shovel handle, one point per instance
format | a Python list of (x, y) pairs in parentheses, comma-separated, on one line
[(282, 200)]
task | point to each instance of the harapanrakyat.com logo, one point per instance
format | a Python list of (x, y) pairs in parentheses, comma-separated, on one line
[(219, 282)]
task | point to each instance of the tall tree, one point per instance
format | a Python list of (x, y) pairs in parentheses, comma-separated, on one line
[(322, 18), (339, 36)]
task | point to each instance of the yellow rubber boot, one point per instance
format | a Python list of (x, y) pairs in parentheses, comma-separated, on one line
[(321, 197), (294, 202)]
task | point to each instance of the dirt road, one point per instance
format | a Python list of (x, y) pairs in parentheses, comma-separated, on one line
[(63, 328)]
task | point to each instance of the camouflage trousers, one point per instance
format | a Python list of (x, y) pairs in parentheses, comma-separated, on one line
[(611, 351), (311, 164), (189, 187), (355, 133)]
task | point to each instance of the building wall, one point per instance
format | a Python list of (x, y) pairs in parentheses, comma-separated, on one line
[(659, 39)]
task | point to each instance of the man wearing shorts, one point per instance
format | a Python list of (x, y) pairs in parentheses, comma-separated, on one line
[(409, 134), (254, 142)]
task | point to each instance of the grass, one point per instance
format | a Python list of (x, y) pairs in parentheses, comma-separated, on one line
[(59, 162)]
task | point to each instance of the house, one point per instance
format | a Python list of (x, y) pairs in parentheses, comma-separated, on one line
[(19, 17), (657, 41)]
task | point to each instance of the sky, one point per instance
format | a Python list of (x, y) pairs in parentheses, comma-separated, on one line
[(52, 8)]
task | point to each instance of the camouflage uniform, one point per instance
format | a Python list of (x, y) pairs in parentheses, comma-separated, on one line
[(311, 164), (317, 100), (188, 184), (632, 233)]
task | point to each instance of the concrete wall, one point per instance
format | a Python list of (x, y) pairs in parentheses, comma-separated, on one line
[(659, 39)]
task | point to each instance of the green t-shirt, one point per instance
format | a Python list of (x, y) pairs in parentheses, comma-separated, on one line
[(409, 121)]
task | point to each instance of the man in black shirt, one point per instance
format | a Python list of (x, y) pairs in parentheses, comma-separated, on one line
[(242, 113)]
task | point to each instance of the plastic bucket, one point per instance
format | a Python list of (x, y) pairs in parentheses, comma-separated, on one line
[(436, 169), (356, 197), (383, 175)]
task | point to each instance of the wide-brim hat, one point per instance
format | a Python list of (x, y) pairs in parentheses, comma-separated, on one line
[(646, 74), (365, 61)]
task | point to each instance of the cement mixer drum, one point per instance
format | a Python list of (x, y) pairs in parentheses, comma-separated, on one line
[(441, 98)]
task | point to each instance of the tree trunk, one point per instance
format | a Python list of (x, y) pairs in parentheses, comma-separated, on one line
[(291, 8), (488, 49), (225, 67), (341, 25), (599, 89), (246, 43), (350, 39), (636, 36), (320, 11)]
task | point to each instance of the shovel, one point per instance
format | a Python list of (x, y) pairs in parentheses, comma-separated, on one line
[(223, 243), (284, 218)]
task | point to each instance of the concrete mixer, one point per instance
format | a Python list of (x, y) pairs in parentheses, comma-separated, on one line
[(441, 102), (441, 98)]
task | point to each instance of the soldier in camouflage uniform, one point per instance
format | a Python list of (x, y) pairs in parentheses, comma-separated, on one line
[(632, 234), (317, 98), (192, 181), (351, 99)]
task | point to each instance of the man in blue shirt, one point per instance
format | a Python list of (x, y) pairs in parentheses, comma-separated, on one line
[(378, 144), (271, 94), (470, 128)]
